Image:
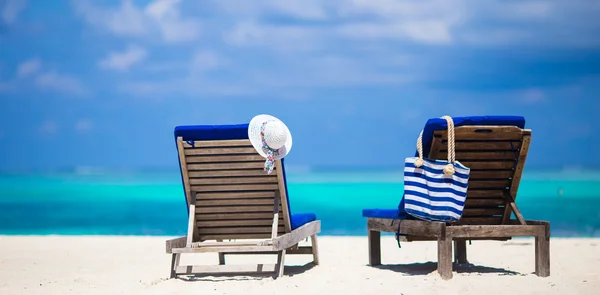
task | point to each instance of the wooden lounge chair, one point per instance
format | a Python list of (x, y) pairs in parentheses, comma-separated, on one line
[(495, 148), (230, 197)]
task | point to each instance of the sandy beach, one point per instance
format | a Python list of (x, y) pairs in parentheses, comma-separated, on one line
[(139, 265)]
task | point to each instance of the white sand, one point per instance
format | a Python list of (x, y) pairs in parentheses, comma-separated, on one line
[(54, 265)]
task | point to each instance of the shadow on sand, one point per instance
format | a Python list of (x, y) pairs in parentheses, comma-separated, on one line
[(416, 269), (289, 271)]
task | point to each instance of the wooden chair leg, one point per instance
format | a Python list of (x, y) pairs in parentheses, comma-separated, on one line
[(174, 264), (315, 249), (445, 257), (460, 251), (374, 248), (280, 264), (542, 256), (221, 256)]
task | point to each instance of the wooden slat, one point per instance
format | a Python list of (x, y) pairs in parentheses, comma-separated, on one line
[(481, 231), (179, 242), (236, 236), (230, 202), (235, 195), (237, 230), (184, 171), (220, 151), (224, 158), (290, 251), (489, 165), (235, 209), (491, 174), (226, 248), (418, 239), (471, 202), (226, 269), (299, 234), (490, 184), (282, 194), (484, 155), (243, 222), (409, 227), (189, 196), (483, 133), (484, 145), (479, 220), (233, 173), (219, 143), (234, 180), (226, 166), (476, 193), (480, 211), (518, 172), (237, 187), (229, 216)]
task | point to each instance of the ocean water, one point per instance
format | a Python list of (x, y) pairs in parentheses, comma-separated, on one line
[(152, 203)]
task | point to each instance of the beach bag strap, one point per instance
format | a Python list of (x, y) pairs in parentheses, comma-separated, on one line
[(448, 169)]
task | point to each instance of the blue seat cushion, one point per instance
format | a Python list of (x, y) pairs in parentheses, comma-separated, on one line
[(385, 213), (301, 219), (211, 132)]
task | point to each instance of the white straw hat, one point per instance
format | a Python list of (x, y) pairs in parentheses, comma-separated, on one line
[(270, 137)]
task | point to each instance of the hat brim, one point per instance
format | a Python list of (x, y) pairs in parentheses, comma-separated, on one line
[(254, 136)]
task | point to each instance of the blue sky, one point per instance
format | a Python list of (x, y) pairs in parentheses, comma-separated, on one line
[(103, 83)]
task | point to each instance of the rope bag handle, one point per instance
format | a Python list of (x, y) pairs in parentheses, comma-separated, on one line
[(448, 169)]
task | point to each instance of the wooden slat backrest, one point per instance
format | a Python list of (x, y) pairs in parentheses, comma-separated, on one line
[(496, 156), (234, 196)]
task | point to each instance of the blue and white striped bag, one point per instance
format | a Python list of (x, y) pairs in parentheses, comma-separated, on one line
[(435, 190)]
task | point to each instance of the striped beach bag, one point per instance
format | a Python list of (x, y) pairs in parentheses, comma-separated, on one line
[(435, 190)]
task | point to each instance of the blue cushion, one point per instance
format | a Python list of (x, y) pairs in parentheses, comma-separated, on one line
[(383, 213), (435, 124), (301, 219), (212, 132), (193, 133)]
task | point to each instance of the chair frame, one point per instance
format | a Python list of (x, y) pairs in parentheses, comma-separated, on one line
[(281, 241), (473, 228)]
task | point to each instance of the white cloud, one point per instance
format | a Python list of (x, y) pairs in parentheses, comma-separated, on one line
[(326, 71), (173, 27), (159, 16), (278, 37), (29, 67), (186, 87), (60, 82), (484, 23), (430, 32), (83, 125), (48, 127), (533, 96), (126, 20), (302, 9), (285, 80), (32, 73), (205, 60), (9, 12), (420, 21), (265, 45), (255, 23), (122, 61)]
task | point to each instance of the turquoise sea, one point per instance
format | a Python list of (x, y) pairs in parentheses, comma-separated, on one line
[(152, 203)]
